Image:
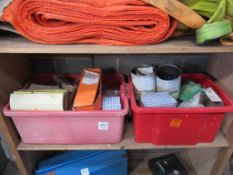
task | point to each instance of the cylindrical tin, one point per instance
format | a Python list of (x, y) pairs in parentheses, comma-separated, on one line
[(169, 79), (143, 81)]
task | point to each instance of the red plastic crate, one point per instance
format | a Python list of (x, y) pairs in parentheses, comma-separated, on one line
[(179, 126), (72, 127)]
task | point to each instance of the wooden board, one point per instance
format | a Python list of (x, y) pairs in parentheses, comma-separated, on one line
[(221, 69), (203, 159), (13, 73), (6, 128), (16, 44), (127, 143)]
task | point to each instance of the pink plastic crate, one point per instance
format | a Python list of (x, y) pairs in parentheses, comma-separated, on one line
[(70, 127)]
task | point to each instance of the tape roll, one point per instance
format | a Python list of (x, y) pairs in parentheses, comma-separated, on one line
[(210, 32)]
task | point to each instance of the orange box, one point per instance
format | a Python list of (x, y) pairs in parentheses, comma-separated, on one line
[(97, 105), (89, 93)]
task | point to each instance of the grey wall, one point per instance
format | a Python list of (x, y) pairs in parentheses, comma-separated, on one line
[(117, 63)]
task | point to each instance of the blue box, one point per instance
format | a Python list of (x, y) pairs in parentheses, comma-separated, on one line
[(85, 163), (111, 103), (158, 99)]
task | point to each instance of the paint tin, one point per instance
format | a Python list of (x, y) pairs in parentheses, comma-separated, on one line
[(169, 79), (144, 79)]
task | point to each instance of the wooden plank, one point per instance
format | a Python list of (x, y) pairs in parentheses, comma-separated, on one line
[(203, 159), (224, 154), (221, 161), (221, 69), (12, 73), (127, 143), (16, 44), (9, 137)]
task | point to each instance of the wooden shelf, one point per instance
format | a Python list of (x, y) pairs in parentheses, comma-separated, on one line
[(16, 44), (127, 143), (14, 71)]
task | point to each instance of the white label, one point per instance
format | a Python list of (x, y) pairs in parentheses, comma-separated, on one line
[(212, 95), (90, 77), (85, 171), (145, 70), (103, 126)]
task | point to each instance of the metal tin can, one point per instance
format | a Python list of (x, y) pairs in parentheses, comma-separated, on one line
[(144, 81), (169, 79)]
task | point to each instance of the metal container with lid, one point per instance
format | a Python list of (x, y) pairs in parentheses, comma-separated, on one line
[(169, 79), (144, 80)]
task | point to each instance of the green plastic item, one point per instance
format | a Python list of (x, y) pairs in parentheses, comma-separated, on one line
[(214, 10), (189, 90), (210, 32), (229, 7), (205, 8), (220, 12)]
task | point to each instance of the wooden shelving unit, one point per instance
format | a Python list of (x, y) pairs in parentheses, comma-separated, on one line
[(127, 143), (14, 52), (16, 44)]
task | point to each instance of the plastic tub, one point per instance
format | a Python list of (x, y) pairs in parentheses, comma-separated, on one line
[(72, 127), (179, 126)]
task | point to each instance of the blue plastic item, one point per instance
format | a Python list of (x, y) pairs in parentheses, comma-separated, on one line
[(111, 103), (158, 99), (85, 163)]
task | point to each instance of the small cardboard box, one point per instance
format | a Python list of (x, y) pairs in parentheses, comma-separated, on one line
[(89, 93)]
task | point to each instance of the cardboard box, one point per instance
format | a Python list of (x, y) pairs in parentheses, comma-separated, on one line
[(89, 93)]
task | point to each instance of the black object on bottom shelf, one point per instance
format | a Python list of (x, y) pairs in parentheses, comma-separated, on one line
[(167, 165)]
